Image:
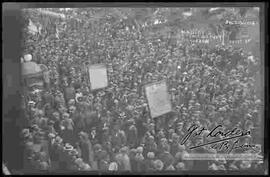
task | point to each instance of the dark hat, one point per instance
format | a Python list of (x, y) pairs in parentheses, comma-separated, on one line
[(73, 152), (124, 149)]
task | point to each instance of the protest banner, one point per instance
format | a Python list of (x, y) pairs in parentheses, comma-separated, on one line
[(158, 98), (98, 76)]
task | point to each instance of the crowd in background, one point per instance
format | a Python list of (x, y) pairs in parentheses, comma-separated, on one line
[(70, 127)]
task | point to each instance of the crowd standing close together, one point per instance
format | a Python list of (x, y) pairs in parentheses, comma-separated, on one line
[(70, 127)]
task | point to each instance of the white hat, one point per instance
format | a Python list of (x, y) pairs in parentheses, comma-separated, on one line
[(27, 57), (113, 166), (51, 135), (31, 102)]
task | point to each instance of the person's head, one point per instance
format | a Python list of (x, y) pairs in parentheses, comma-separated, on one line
[(26, 134), (213, 167), (140, 149), (171, 131), (39, 113), (158, 164), (150, 155), (62, 109), (43, 165), (72, 109), (65, 115), (124, 150), (97, 148), (151, 139), (71, 102), (163, 141), (79, 162), (56, 115), (132, 128), (43, 123), (113, 166), (132, 152), (180, 166), (83, 136), (161, 134), (166, 148), (27, 58), (180, 126)]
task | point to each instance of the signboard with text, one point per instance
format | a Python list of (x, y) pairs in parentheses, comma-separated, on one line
[(158, 98), (98, 76)]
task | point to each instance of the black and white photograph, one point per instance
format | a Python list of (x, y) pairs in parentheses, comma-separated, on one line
[(134, 89)]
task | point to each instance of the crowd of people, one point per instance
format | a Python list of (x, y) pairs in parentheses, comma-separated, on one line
[(68, 127)]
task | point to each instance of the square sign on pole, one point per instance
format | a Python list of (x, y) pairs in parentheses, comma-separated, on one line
[(98, 76), (158, 98)]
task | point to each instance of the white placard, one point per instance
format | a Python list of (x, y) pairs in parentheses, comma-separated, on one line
[(98, 76), (158, 98)]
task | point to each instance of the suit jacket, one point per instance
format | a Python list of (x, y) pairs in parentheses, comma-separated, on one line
[(119, 139), (87, 151), (174, 148)]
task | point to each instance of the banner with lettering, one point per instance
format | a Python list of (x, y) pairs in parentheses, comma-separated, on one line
[(158, 98), (98, 76)]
